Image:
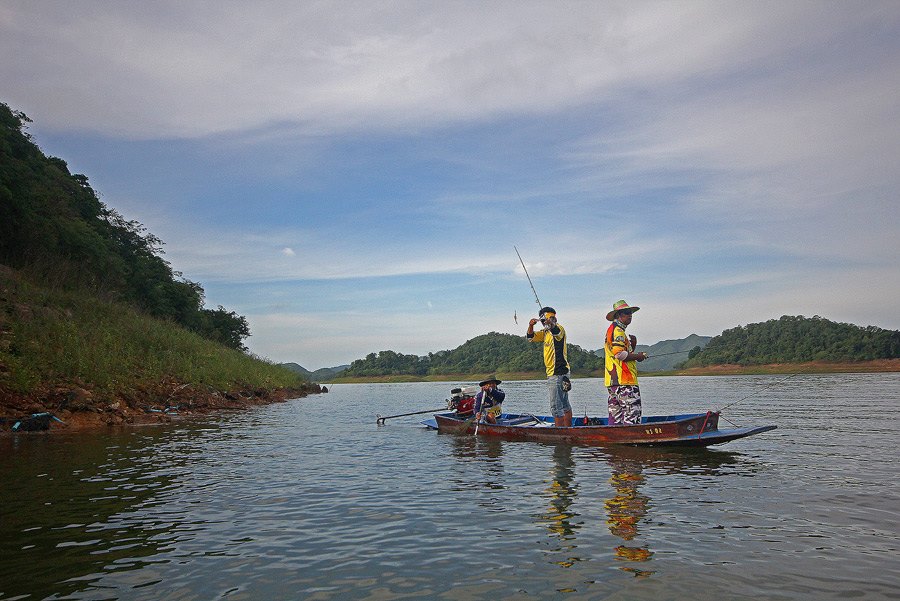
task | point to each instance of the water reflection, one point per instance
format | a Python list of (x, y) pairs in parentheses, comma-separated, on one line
[(560, 517), (627, 508), (480, 464), (562, 492), (91, 503)]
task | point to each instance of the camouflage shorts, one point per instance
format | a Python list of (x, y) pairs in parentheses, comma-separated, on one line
[(624, 405)]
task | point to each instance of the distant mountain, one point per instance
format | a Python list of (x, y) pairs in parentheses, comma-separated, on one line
[(664, 363), (658, 362), (320, 375)]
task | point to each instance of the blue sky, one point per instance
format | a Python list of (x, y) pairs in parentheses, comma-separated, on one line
[(353, 176)]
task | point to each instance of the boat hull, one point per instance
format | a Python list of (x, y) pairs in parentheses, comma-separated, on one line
[(690, 430)]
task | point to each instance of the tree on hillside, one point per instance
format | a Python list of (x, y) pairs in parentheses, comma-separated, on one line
[(54, 227), (793, 339)]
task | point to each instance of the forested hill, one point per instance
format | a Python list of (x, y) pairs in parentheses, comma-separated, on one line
[(55, 230), (488, 353), (797, 339)]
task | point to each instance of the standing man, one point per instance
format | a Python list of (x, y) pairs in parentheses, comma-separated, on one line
[(621, 369), (553, 336)]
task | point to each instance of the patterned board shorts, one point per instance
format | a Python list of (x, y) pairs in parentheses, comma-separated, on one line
[(559, 397), (624, 405)]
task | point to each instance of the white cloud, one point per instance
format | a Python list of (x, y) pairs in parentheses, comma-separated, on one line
[(288, 252), (202, 67)]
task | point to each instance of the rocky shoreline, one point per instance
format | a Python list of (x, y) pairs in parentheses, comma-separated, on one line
[(78, 408)]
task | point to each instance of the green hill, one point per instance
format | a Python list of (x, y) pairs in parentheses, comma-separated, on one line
[(488, 353), (797, 339), (92, 319), (497, 353), (55, 230)]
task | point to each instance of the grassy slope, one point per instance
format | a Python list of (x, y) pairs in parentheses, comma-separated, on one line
[(51, 341)]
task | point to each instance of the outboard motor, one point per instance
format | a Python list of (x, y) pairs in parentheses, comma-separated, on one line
[(463, 400)]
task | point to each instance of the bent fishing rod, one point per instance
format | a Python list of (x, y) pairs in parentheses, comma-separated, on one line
[(540, 306)]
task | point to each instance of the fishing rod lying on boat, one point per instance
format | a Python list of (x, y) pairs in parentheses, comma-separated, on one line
[(380, 420)]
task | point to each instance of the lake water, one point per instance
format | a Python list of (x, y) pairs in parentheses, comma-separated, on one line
[(310, 499)]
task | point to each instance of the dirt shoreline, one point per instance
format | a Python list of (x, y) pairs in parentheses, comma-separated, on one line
[(79, 408)]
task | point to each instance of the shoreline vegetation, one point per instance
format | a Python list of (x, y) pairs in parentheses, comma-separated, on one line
[(810, 367), (91, 362)]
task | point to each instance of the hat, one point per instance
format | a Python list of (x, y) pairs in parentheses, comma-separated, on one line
[(546, 310), (489, 380), (620, 306)]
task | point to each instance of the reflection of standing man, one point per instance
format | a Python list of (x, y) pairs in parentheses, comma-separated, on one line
[(553, 336), (626, 509), (621, 370), (562, 490)]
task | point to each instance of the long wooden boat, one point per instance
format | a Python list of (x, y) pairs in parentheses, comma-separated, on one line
[(688, 430)]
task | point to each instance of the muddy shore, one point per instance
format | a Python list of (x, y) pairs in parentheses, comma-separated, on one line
[(79, 408)]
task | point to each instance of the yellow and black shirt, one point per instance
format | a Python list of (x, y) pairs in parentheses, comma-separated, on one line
[(555, 354)]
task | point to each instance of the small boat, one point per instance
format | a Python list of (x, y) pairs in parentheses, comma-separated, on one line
[(687, 430)]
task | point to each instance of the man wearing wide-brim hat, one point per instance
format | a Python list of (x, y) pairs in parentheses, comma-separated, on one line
[(487, 402), (620, 370)]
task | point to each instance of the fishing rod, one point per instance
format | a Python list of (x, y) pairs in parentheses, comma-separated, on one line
[(667, 354), (380, 420), (529, 279)]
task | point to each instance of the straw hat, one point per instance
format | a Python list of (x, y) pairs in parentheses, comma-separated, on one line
[(489, 380), (620, 306)]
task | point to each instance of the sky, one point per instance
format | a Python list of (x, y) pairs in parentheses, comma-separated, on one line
[(355, 176)]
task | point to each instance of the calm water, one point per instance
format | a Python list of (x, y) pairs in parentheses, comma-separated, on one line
[(311, 500)]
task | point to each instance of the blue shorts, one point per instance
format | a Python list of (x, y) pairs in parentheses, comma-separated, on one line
[(559, 398)]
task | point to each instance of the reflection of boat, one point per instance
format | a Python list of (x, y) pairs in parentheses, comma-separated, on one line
[(693, 430)]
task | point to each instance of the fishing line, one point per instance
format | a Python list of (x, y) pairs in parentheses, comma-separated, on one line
[(755, 392)]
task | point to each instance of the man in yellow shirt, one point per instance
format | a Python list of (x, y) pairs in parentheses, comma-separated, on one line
[(620, 370), (556, 360)]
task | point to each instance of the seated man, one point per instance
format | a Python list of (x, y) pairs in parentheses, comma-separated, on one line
[(487, 402)]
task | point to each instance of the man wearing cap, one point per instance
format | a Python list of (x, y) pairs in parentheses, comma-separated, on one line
[(621, 368), (553, 336), (487, 402)]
